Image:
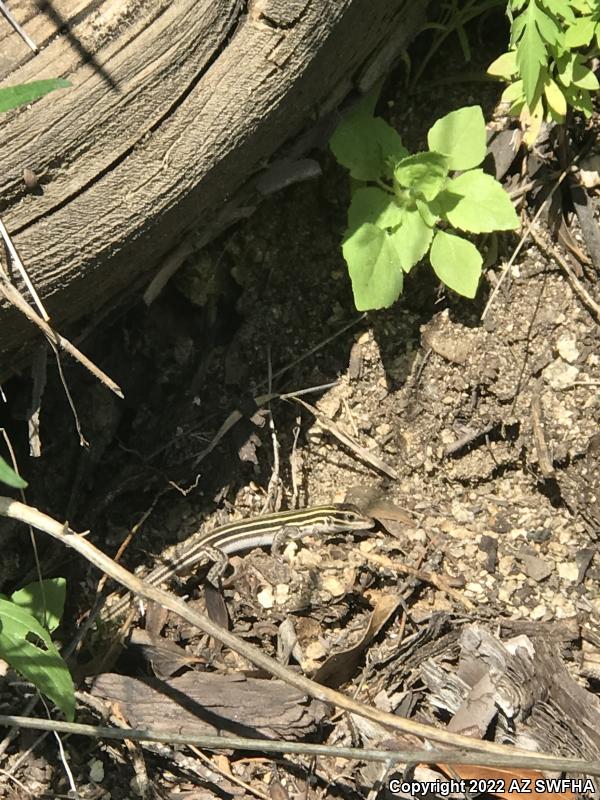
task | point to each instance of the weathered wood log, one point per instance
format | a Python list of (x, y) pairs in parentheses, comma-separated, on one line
[(174, 106)]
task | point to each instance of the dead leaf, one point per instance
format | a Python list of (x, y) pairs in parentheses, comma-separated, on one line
[(339, 668)]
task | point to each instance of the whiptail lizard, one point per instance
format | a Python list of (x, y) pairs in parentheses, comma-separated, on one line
[(245, 534)]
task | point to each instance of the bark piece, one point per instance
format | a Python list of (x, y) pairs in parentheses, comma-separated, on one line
[(539, 705), (202, 702)]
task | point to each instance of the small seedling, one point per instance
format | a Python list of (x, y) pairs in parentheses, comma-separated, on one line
[(404, 206)]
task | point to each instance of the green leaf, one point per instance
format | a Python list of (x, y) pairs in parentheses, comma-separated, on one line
[(580, 33), (460, 136), (445, 202), (483, 206), (583, 77), (556, 100), (423, 173), (579, 99), (366, 104), (365, 145), (531, 122), (428, 211), (505, 66), (531, 53), (513, 92), (374, 205), (516, 30), (45, 600), (28, 648), (10, 477), (456, 262), (548, 28), (24, 93), (374, 267), (412, 239), (514, 95), (564, 68), (560, 9)]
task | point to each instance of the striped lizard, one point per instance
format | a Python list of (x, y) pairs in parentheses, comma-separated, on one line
[(235, 537)]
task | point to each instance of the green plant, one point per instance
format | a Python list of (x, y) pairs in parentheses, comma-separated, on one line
[(26, 620), (15, 96), (545, 76), (403, 205), (10, 477)]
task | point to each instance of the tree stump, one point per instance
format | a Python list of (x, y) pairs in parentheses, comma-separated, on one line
[(174, 109)]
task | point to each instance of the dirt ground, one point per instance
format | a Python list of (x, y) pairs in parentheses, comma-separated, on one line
[(487, 435)]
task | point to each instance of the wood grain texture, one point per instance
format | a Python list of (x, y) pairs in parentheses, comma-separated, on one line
[(202, 702), (173, 107)]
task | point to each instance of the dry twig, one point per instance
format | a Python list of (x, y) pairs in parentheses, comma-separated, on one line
[(552, 252), (360, 452), (14, 296), (421, 575), (22, 33)]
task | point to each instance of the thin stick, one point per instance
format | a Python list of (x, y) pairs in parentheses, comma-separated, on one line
[(576, 285), (523, 239), (9, 776), (273, 497), (15, 297), (228, 775), (15, 510), (39, 375), (421, 575), (539, 438), (16, 259), (27, 39), (533, 760), (348, 441)]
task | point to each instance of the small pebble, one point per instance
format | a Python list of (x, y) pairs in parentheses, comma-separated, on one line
[(538, 612), (536, 568), (559, 374), (474, 588), (265, 597), (567, 349), (568, 571)]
